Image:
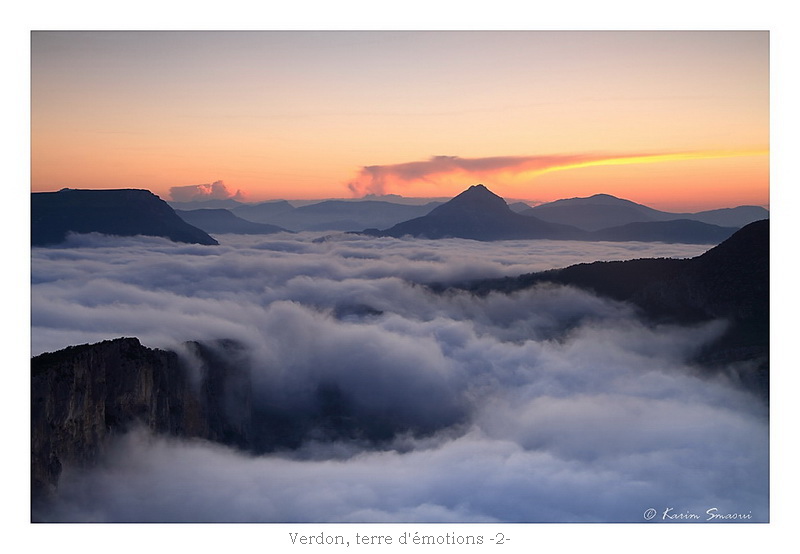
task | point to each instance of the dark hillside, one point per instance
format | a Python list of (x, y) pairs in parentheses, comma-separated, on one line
[(223, 221), (122, 212), (479, 214), (729, 282)]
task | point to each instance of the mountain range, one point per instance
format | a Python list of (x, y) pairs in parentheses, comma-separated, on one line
[(332, 215), (479, 214), (219, 220), (120, 212), (323, 215), (602, 211), (687, 231), (593, 213)]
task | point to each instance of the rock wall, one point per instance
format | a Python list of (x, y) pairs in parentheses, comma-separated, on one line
[(83, 395)]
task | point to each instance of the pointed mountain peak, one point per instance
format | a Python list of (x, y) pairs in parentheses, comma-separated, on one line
[(476, 199), (477, 189), (479, 193)]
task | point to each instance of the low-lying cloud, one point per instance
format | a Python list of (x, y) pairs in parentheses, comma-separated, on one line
[(548, 405)]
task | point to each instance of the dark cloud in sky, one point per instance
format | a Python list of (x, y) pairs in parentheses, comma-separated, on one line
[(209, 191), (548, 405)]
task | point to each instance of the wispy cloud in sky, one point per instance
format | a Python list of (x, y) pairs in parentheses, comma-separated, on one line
[(382, 179)]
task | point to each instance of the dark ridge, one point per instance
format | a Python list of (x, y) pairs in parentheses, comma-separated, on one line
[(684, 231), (122, 212), (265, 212), (333, 215), (479, 214), (221, 221), (730, 282), (212, 204), (603, 211), (618, 280)]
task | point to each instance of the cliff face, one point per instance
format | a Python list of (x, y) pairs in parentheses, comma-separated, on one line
[(82, 395)]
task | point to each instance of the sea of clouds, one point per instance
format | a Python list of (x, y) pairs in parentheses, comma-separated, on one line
[(548, 405)]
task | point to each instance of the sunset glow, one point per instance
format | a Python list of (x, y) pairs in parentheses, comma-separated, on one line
[(303, 115), (646, 159)]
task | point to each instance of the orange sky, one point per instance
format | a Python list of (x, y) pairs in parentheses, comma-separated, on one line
[(676, 120)]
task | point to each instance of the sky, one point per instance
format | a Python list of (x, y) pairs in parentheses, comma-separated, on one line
[(678, 120)]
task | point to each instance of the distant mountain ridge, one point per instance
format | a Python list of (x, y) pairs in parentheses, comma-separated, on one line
[(479, 214), (221, 221), (120, 212), (686, 231), (263, 212), (476, 213), (602, 211), (332, 215), (215, 203)]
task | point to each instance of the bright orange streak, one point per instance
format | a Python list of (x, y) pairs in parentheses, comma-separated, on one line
[(654, 158)]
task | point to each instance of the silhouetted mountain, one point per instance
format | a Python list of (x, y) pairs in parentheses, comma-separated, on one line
[(602, 211), (519, 207), (593, 213), (122, 212), (398, 199), (679, 230), (264, 212), (221, 221), (729, 281), (226, 203), (479, 214), (730, 217), (335, 215), (348, 216)]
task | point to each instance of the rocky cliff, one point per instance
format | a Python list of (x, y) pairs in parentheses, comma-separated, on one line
[(83, 395)]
